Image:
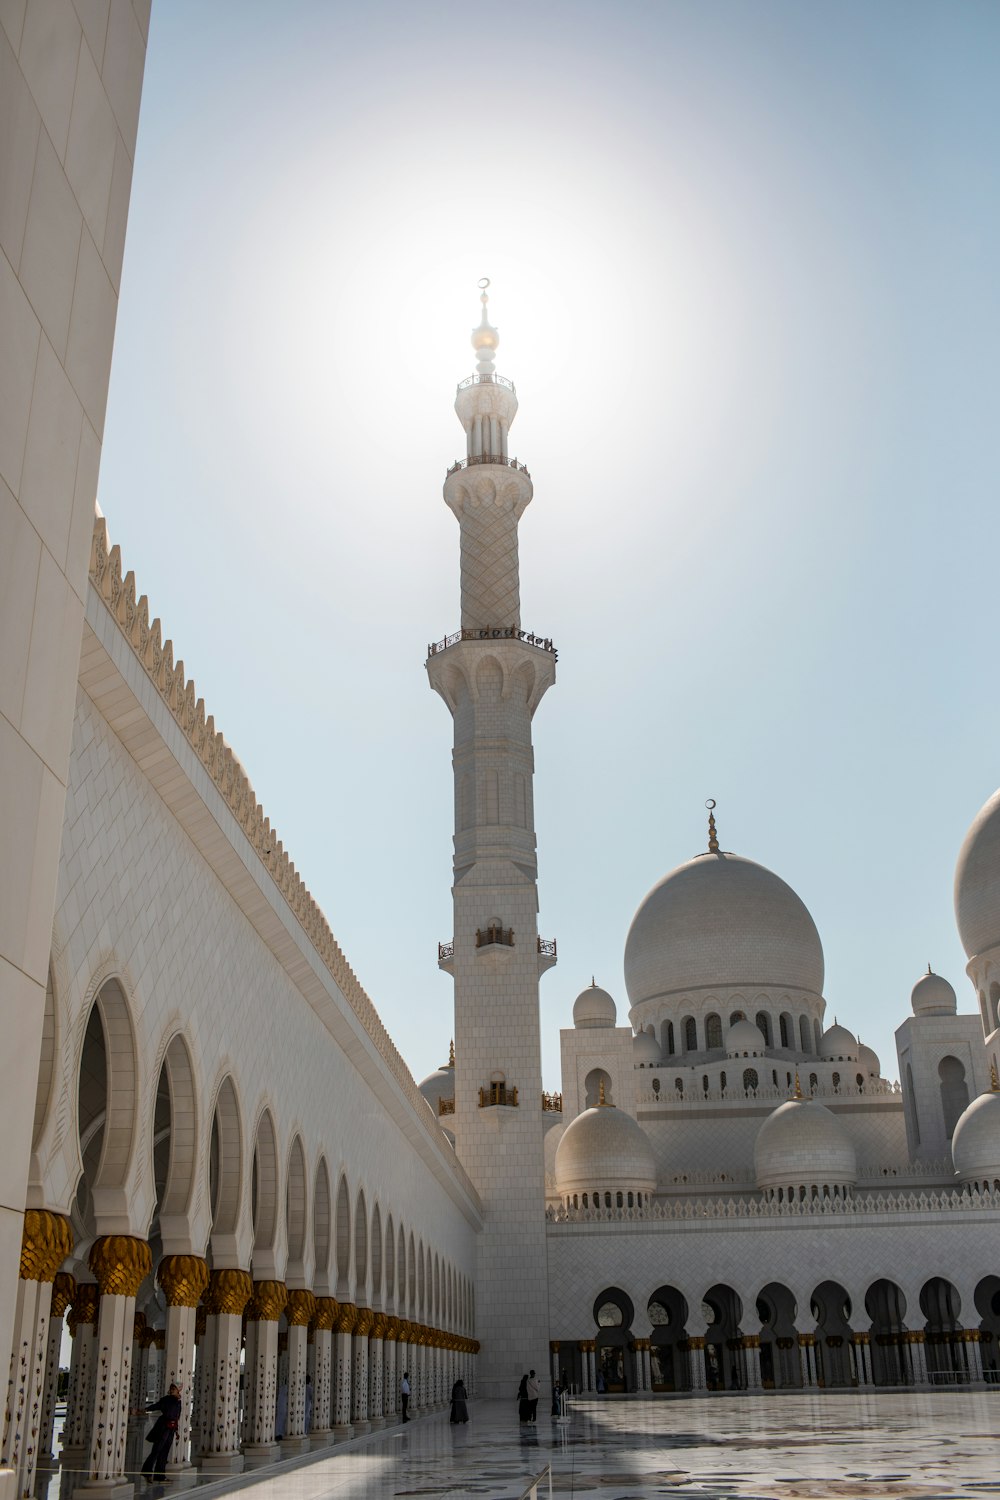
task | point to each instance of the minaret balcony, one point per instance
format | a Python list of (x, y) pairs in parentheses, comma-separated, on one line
[(446, 957), (547, 954), (508, 385), (488, 458), (493, 633)]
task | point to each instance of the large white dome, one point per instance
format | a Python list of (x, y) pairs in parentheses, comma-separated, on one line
[(975, 1144), (721, 921), (803, 1144), (933, 996), (594, 1007), (604, 1150), (977, 882)]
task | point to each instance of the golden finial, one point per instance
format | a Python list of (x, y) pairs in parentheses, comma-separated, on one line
[(929, 969), (798, 1087), (713, 841), (451, 1053), (593, 982), (600, 1097), (994, 1080)]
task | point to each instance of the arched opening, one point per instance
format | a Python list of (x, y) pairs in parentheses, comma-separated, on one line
[(321, 1230), (817, 1037), (265, 1200), (295, 1215), (667, 1038), (736, 1015), (954, 1092), (805, 1037), (411, 1265), (592, 1086), (785, 1030), (615, 1361), (763, 1023), (225, 1174), (106, 1110), (886, 1306), (713, 1031), (376, 1256), (911, 1103), (987, 1299), (690, 1034), (780, 1366), (724, 1361), (751, 1082), (831, 1308), (421, 1284), (669, 1368), (944, 1344), (390, 1264), (361, 1250), (343, 1242)]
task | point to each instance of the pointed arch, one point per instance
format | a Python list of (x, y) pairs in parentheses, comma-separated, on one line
[(225, 1165), (343, 1241), (376, 1255), (321, 1230), (296, 1214), (390, 1264), (361, 1249), (265, 1199)]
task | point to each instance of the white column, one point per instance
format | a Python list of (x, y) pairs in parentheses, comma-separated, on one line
[(249, 1379), (918, 1356), (342, 1427), (644, 1379), (376, 1406), (83, 1327), (805, 1356), (696, 1363), (751, 1350), (973, 1354), (266, 1307), (228, 1293), (322, 1423), (359, 1405), (204, 1374), (183, 1279), (390, 1385), (301, 1307), (121, 1263), (27, 1380), (63, 1289), (589, 1379)]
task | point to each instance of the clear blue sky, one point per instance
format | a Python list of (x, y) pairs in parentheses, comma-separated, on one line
[(744, 270)]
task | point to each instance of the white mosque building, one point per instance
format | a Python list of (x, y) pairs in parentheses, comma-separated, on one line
[(218, 1169)]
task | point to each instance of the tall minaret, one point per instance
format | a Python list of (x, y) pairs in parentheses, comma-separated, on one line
[(492, 675)]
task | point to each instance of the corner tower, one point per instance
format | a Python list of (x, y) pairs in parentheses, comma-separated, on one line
[(492, 674)]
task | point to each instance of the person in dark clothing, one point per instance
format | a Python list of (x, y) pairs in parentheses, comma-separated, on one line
[(523, 1404), (459, 1397), (404, 1393), (162, 1433)]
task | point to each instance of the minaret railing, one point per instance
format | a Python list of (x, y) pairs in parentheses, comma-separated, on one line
[(488, 458), (493, 633), (508, 385)]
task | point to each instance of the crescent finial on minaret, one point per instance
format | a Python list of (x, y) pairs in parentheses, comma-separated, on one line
[(713, 839), (485, 338)]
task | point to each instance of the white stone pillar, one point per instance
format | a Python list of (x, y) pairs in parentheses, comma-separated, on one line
[(805, 1355), (359, 1405), (228, 1293), (322, 1423), (416, 1399), (183, 1279), (390, 1379), (249, 1378), (554, 1360), (376, 1399), (644, 1376), (974, 1355), (46, 1240), (83, 1326), (205, 1332), (751, 1357), (862, 1364), (300, 1310), (63, 1291), (342, 1427), (265, 1309), (121, 1264), (696, 1362), (914, 1343)]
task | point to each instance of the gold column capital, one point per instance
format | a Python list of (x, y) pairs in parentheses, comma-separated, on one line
[(183, 1279), (327, 1309), (46, 1240), (381, 1326), (696, 1342), (63, 1292), (84, 1309), (121, 1263), (228, 1292), (138, 1327), (391, 1330), (363, 1322), (300, 1308), (346, 1314), (268, 1302)]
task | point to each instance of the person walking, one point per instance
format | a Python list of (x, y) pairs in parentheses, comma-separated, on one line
[(459, 1399), (523, 1404), (404, 1393), (532, 1394), (162, 1433)]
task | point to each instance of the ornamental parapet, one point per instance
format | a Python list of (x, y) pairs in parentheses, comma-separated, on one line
[(552, 1103), (300, 1308), (498, 1095), (752, 1206), (268, 1301), (493, 633), (46, 1240), (183, 1279), (229, 1292), (121, 1264), (156, 657)]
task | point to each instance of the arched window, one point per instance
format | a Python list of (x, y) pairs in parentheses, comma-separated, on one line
[(750, 1079), (619, 1200), (656, 1085), (763, 1021), (713, 1031), (722, 1081), (679, 1085), (860, 1081), (987, 1028), (836, 1080), (774, 1077), (670, 1038), (954, 1092), (736, 1015), (785, 1029), (818, 1037), (704, 1083), (690, 1035), (813, 1082), (911, 1096), (804, 1033)]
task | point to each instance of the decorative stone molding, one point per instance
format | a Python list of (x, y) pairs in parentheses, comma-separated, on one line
[(63, 1292), (346, 1316), (46, 1240), (183, 1279), (268, 1301), (326, 1312), (157, 660), (228, 1292), (121, 1264), (300, 1308), (747, 1206)]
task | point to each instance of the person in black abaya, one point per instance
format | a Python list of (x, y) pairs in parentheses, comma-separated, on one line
[(459, 1398), (162, 1433)]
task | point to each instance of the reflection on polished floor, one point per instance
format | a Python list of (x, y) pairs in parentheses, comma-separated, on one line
[(933, 1445)]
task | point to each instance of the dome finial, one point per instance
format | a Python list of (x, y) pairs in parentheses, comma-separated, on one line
[(994, 1080), (602, 1102), (451, 1053), (798, 1086), (713, 841), (485, 338)]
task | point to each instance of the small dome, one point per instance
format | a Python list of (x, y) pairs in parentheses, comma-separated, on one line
[(839, 1045), (803, 1144), (594, 1007), (604, 1150), (743, 1038), (645, 1050), (933, 996), (439, 1085), (975, 1145), (723, 921), (977, 882), (869, 1060)]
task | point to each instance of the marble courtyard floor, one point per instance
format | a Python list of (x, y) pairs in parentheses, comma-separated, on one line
[(932, 1445)]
